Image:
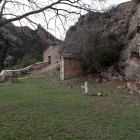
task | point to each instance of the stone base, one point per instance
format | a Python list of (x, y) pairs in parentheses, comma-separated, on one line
[(13, 79)]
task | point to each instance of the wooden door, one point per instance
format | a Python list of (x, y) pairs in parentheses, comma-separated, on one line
[(49, 59)]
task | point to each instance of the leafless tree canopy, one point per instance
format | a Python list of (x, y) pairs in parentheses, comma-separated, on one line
[(14, 10)]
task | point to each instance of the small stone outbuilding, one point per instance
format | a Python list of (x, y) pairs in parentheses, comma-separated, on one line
[(69, 67), (51, 54)]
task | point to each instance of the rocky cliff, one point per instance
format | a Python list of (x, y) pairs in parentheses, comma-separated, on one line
[(129, 63), (21, 46), (109, 42)]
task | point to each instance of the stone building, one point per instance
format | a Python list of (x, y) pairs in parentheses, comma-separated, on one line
[(51, 54), (69, 67)]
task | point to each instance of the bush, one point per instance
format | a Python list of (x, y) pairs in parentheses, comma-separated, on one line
[(108, 23), (96, 59), (1, 64), (1, 68), (127, 25), (131, 35), (26, 62), (105, 56), (136, 1), (113, 36), (133, 11)]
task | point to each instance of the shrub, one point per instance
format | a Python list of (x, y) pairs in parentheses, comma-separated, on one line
[(25, 62), (133, 10), (105, 56), (1, 64), (136, 1), (112, 36), (131, 35), (1, 45), (92, 17), (108, 23), (1, 68), (126, 26), (39, 57), (96, 59)]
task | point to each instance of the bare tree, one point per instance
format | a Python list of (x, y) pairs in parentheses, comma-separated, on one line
[(15, 10)]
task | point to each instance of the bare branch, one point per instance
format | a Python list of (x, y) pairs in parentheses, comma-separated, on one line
[(35, 8), (2, 8)]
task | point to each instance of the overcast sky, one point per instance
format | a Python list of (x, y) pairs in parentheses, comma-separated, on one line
[(59, 32)]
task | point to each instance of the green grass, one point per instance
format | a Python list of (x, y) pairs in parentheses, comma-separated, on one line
[(40, 109)]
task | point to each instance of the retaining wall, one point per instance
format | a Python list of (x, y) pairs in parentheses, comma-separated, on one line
[(18, 72)]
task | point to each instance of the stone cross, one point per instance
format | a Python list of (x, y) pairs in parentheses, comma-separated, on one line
[(86, 88)]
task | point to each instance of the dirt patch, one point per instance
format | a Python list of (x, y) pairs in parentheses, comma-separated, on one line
[(47, 70)]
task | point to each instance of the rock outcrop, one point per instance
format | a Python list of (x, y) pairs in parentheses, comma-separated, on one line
[(46, 37), (120, 24), (129, 63)]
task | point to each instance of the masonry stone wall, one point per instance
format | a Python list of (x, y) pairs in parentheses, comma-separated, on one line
[(39, 65), (18, 72), (72, 68), (51, 55)]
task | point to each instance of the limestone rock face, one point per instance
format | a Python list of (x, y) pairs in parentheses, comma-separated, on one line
[(111, 73), (45, 36), (129, 64), (124, 22)]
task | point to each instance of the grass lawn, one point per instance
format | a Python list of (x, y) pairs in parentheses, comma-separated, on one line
[(44, 108)]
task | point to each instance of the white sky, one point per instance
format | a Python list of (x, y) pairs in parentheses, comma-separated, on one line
[(59, 32)]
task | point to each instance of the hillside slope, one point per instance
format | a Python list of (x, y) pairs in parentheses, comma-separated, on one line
[(21, 46)]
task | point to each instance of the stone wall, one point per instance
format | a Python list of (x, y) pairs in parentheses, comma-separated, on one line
[(51, 55), (39, 65), (18, 72), (72, 68)]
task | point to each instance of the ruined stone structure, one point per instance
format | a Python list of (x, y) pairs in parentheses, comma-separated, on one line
[(51, 54), (69, 67), (18, 72)]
